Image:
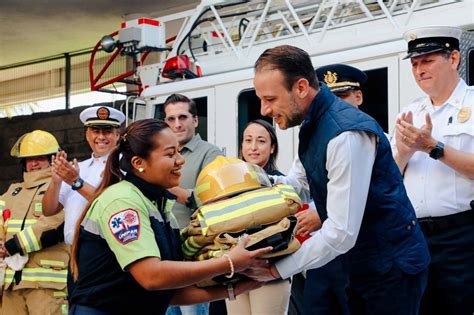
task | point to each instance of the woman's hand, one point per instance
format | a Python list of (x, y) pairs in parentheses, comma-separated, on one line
[(243, 259)]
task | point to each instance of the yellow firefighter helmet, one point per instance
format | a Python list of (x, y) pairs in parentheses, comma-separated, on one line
[(35, 143), (226, 177)]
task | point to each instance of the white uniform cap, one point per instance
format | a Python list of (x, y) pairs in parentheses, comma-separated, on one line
[(430, 39), (102, 117)]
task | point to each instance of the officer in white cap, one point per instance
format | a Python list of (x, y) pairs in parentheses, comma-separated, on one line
[(433, 146), (73, 184)]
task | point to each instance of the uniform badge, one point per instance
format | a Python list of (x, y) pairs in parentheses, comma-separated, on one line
[(38, 209), (125, 226), (103, 113), (464, 114), (16, 191), (330, 77)]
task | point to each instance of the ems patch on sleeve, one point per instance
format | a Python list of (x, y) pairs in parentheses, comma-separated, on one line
[(125, 226)]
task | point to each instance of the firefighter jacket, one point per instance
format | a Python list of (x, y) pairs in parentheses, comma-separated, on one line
[(29, 232), (263, 214)]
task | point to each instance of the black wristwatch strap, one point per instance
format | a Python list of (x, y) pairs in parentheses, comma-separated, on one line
[(438, 151), (77, 184), (191, 202)]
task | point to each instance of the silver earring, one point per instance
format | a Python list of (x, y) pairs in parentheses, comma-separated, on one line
[(141, 169)]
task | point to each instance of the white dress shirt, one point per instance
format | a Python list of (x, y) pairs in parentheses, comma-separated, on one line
[(297, 178), (349, 161), (433, 187), (91, 171)]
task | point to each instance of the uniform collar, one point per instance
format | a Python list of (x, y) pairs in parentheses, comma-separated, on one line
[(150, 191), (36, 178), (455, 100), (102, 159), (192, 144), (457, 97), (319, 105)]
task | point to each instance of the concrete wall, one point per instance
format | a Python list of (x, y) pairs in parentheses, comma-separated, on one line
[(63, 124)]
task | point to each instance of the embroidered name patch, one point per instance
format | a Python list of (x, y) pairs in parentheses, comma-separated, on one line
[(125, 225)]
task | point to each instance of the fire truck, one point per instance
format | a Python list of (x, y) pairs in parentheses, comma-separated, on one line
[(208, 54)]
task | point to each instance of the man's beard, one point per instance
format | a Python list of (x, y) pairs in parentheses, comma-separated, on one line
[(297, 115)]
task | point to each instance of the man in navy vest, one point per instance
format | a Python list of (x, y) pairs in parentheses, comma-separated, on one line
[(355, 184)]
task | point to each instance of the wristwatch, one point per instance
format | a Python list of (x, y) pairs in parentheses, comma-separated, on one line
[(438, 151), (77, 184), (191, 202), (230, 292)]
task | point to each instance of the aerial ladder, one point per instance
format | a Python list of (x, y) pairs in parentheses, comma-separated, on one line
[(225, 35)]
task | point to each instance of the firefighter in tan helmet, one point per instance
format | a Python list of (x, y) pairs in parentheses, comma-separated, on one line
[(34, 257)]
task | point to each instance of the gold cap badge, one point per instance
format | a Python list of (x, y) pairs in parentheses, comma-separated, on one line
[(103, 113), (330, 77)]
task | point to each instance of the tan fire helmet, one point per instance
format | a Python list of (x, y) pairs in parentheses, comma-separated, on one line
[(226, 177)]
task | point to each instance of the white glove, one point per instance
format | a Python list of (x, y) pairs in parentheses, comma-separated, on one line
[(16, 262)]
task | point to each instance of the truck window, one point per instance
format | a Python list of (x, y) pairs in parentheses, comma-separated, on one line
[(248, 110), (201, 103), (375, 93)]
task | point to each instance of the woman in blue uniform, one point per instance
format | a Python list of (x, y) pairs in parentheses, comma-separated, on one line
[(126, 258)]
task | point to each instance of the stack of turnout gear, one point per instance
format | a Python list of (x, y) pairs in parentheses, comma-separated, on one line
[(235, 198)]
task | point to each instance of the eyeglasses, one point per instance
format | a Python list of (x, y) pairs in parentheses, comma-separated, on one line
[(181, 118)]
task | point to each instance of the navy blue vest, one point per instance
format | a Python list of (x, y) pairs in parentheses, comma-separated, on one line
[(389, 233)]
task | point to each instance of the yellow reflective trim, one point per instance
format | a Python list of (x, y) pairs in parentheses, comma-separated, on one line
[(52, 263), (193, 243), (213, 253), (20, 222), (42, 274), (243, 211), (9, 273), (28, 240), (14, 225), (59, 294), (203, 187), (24, 242), (13, 230), (187, 251), (38, 274), (287, 190), (36, 246), (218, 206)]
